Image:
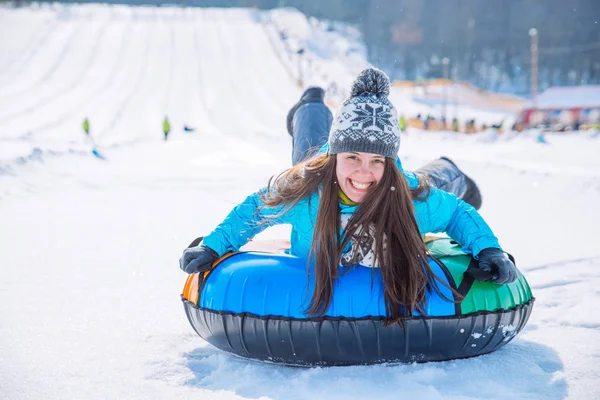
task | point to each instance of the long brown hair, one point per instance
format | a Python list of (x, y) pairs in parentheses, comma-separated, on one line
[(386, 213)]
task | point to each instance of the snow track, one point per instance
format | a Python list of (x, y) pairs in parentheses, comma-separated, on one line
[(16, 63), (82, 100), (126, 68), (35, 77), (75, 72)]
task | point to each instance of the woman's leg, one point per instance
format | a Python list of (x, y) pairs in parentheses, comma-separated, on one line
[(445, 175)]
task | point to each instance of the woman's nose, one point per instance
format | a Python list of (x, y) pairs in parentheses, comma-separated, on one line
[(364, 168)]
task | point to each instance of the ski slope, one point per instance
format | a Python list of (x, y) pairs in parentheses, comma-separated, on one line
[(126, 68), (90, 284)]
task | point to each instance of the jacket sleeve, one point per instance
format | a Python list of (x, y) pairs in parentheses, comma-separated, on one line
[(244, 222), (444, 212)]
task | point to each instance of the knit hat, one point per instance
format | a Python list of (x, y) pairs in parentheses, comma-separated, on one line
[(367, 121)]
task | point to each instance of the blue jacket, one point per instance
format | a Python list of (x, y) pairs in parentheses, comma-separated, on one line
[(441, 212)]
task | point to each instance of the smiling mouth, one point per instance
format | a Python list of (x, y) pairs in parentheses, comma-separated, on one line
[(360, 185)]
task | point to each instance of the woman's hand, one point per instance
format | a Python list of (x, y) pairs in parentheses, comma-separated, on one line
[(197, 259), (497, 264)]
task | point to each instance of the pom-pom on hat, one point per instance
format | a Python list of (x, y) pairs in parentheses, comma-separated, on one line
[(367, 121)]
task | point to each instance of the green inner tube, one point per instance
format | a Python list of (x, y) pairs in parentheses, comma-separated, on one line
[(480, 296)]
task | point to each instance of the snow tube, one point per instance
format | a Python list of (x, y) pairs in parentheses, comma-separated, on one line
[(252, 304)]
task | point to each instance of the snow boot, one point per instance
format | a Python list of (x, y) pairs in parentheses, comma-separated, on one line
[(445, 175)]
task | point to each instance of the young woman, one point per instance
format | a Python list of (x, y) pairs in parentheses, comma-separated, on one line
[(354, 206)]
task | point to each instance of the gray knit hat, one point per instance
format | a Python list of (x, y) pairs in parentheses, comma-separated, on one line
[(367, 121)]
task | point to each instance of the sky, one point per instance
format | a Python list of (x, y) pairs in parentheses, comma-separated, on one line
[(89, 247)]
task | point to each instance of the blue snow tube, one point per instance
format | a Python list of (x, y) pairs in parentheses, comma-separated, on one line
[(253, 304)]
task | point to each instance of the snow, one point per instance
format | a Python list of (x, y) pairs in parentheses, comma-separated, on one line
[(90, 284)]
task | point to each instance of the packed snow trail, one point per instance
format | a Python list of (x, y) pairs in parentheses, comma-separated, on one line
[(126, 68)]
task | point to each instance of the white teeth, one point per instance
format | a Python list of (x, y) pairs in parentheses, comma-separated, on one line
[(361, 186)]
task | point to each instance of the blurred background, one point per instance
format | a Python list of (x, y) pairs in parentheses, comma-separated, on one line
[(536, 62)]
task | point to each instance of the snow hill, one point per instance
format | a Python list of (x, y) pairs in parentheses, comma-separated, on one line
[(89, 279)]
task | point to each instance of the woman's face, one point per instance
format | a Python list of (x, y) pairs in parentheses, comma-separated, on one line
[(357, 173)]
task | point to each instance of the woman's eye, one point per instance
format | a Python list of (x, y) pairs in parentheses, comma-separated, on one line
[(352, 158), (379, 161)]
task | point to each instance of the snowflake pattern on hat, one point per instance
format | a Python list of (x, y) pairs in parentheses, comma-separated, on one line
[(366, 124), (372, 116), (367, 121)]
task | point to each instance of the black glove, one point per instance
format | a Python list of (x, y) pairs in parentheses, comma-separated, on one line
[(197, 259), (497, 266)]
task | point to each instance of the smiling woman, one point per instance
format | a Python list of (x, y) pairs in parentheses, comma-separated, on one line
[(358, 172), (352, 206)]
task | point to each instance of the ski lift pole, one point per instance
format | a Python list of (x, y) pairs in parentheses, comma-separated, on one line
[(533, 33), (445, 63)]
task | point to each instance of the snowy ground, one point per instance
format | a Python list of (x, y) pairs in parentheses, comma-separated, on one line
[(89, 287)]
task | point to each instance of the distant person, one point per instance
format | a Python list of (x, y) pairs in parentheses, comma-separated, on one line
[(402, 123), (86, 127), (470, 126), (427, 121), (166, 127), (308, 123), (499, 125), (455, 124)]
